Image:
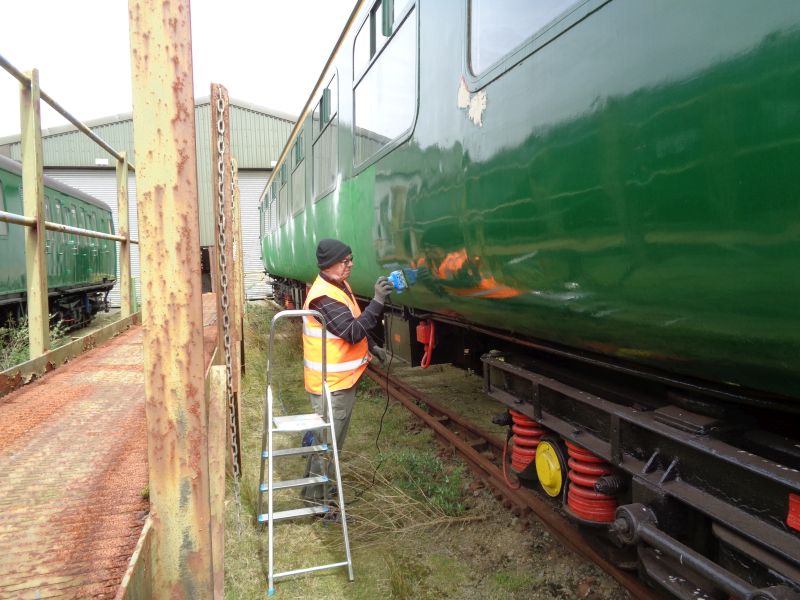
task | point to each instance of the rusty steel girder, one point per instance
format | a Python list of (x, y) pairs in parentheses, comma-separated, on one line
[(164, 142)]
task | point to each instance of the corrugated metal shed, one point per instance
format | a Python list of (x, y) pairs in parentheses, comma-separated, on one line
[(257, 136), (251, 184)]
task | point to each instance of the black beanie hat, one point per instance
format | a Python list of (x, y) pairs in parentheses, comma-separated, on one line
[(330, 251)]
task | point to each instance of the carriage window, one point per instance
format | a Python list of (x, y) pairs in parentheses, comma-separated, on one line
[(324, 155), (376, 30), (298, 177), (363, 48), (299, 188), (496, 27), (3, 225), (299, 149), (385, 97), (283, 203)]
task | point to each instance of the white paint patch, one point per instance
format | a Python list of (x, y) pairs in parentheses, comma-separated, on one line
[(474, 104)]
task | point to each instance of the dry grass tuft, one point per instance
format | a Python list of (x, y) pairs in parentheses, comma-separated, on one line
[(378, 507)]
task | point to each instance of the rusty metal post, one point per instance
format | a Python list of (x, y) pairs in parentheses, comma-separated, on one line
[(33, 204), (239, 258), (174, 370), (217, 453), (223, 232), (124, 231)]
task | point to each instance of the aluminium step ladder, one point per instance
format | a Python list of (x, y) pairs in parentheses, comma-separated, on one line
[(297, 424)]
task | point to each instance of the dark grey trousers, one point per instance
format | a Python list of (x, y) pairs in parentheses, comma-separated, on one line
[(342, 402)]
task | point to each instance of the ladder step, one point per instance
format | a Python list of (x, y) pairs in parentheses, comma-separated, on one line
[(310, 569), (296, 451), (290, 483), (298, 423), (294, 513)]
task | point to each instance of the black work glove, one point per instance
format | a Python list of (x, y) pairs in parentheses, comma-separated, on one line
[(382, 289), (380, 355)]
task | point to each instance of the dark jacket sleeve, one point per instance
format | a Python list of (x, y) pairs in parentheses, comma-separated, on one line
[(340, 320)]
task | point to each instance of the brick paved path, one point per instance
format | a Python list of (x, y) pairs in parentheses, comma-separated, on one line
[(73, 472), (73, 469)]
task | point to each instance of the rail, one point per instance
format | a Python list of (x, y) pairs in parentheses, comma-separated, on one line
[(33, 220), (25, 80), (458, 432), (15, 219)]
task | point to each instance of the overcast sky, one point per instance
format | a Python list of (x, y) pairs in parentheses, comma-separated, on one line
[(265, 52)]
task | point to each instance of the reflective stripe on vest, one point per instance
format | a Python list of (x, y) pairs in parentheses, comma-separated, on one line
[(337, 367), (316, 332)]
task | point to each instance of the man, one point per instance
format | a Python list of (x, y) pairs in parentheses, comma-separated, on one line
[(347, 343)]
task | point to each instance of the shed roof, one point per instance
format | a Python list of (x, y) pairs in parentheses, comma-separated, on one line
[(257, 137)]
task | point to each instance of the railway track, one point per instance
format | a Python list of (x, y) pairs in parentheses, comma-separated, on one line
[(483, 454)]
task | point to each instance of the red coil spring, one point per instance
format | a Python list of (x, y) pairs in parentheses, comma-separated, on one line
[(527, 434), (584, 470)]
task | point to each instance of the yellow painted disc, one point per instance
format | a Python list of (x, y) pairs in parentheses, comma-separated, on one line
[(549, 469)]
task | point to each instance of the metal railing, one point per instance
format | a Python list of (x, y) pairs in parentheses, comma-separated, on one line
[(33, 208)]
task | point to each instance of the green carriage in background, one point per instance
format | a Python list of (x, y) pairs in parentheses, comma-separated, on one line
[(80, 270)]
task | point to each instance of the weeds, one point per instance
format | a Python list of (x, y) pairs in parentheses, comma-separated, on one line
[(427, 475), (14, 341)]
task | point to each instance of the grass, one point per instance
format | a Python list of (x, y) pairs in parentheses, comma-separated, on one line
[(396, 488)]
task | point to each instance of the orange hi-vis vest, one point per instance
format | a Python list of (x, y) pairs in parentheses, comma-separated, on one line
[(346, 361)]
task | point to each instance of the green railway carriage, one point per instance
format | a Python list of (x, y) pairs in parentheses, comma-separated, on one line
[(607, 189), (80, 270)]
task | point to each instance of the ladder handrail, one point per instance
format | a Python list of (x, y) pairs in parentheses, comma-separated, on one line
[(267, 451)]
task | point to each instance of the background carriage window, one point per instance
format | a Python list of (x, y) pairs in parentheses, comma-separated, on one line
[(3, 225), (73, 238), (103, 244), (48, 235), (324, 127), (385, 96), (82, 240), (93, 225), (57, 215), (496, 27)]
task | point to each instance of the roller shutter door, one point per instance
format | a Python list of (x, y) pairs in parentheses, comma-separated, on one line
[(251, 184), (102, 184)]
